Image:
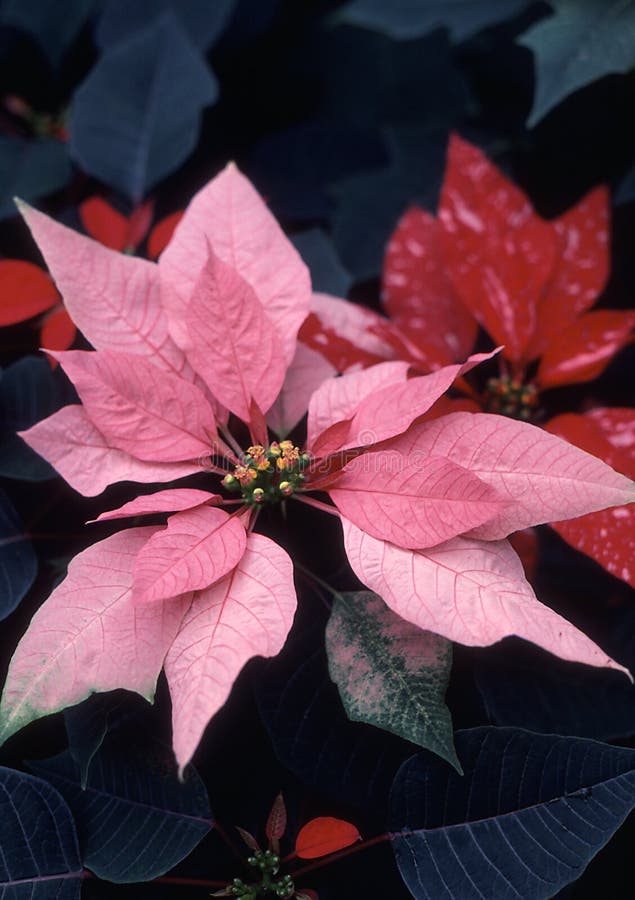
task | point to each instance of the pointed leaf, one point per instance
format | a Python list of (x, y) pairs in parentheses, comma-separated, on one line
[(581, 42), (139, 409), (338, 399), (582, 267), (40, 854), (58, 331), (405, 19), (31, 169), (174, 500), (417, 293), (389, 411), (104, 223), (112, 298), (229, 215), (231, 342), (18, 562), (85, 458), (584, 349), (161, 234), (25, 291), (390, 673), (304, 376), (473, 592), (53, 33), (416, 501), (249, 840), (499, 253), (525, 820), (325, 835), (202, 21), (608, 537), (135, 818), (86, 636), (154, 86), (277, 820), (248, 613), (327, 272), (198, 547), (546, 479), (29, 390)]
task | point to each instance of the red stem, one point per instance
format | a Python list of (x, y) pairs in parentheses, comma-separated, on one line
[(311, 501)]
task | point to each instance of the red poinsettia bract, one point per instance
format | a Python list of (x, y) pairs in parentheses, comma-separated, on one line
[(488, 259), (191, 355)]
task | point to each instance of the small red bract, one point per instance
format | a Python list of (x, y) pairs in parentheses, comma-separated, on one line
[(325, 835)]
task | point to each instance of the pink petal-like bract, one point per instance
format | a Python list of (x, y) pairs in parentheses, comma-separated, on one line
[(307, 372), (417, 292), (546, 478), (413, 501), (499, 254), (114, 299), (388, 412), (229, 215), (338, 399), (150, 414), (90, 636), (85, 458), (231, 341), (248, 613), (196, 549), (470, 591), (174, 500)]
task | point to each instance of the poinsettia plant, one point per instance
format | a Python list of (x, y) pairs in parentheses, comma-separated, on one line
[(489, 260), (196, 359)]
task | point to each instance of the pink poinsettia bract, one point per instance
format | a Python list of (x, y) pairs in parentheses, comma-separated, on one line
[(196, 359)]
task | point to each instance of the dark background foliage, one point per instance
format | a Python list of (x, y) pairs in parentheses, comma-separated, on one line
[(340, 114)]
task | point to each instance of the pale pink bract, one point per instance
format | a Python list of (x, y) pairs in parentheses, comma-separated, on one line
[(210, 332)]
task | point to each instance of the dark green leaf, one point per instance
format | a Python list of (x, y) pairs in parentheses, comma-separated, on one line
[(327, 272), (390, 673), (53, 29), (29, 391), (408, 19), (582, 41), (18, 562), (30, 169), (202, 20), (137, 115), (39, 858), (525, 820), (135, 820)]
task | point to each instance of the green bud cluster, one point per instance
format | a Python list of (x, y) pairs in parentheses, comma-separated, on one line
[(269, 864), (510, 397), (268, 475)]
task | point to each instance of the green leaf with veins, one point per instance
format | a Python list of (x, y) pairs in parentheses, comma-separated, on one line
[(390, 673)]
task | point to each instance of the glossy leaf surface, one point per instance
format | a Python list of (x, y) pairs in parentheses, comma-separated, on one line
[(389, 673)]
